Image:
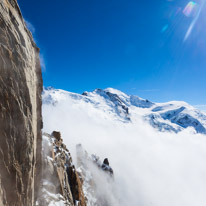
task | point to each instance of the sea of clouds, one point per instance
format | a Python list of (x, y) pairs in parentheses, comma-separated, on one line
[(150, 167)]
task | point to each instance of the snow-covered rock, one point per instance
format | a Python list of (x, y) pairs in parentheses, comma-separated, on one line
[(61, 184)]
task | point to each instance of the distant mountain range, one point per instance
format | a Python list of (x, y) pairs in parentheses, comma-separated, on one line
[(172, 116)]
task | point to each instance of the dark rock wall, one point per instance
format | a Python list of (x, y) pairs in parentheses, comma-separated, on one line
[(20, 109)]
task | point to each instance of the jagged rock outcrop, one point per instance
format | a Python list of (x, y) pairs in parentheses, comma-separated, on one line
[(20, 109), (106, 167), (61, 183), (96, 177)]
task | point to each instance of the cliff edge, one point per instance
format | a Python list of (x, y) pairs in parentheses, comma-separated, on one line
[(20, 109)]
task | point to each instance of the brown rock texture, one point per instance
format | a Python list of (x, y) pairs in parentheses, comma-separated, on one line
[(60, 183), (20, 109), (76, 186)]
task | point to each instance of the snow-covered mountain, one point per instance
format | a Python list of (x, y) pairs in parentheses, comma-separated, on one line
[(156, 150), (115, 105)]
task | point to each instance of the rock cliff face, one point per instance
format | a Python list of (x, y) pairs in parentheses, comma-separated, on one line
[(20, 109), (61, 184), (34, 171)]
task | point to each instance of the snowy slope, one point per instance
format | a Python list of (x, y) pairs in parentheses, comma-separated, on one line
[(115, 105), (156, 150)]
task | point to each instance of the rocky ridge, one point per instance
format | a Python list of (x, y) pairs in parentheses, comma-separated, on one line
[(61, 183)]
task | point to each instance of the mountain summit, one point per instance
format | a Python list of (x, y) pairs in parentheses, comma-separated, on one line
[(115, 105), (151, 146)]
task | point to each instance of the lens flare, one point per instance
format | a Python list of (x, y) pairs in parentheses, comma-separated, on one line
[(191, 9), (165, 28)]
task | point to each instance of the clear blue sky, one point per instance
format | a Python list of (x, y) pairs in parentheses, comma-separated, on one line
[(139, 47)]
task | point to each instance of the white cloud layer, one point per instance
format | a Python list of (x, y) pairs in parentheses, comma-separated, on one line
[(151, 168)]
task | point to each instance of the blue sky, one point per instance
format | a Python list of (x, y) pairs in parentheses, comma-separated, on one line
[(139, 47)]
